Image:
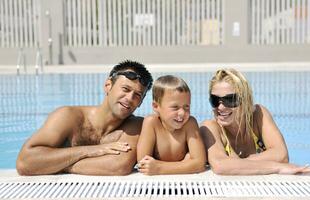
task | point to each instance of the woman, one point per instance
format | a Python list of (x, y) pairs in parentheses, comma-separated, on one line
[(243, 138)]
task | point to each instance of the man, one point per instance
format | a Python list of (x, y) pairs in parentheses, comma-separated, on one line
[(92, 140)]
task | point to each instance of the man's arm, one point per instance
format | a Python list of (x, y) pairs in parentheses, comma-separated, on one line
[(43, 152), (121, 164)]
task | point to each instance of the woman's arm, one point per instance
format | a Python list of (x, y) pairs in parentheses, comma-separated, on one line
[(222, 164), (276, 149), (193, 163)]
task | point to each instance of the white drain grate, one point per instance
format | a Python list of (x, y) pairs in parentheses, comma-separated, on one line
[(112, 189)]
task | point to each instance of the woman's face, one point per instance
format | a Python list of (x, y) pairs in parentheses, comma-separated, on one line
[(223, 99)]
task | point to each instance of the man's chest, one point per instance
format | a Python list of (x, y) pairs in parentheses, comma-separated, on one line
[(86, 135)]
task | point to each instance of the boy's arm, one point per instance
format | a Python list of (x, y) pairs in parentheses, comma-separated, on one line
[(195, 163), (197, 160), (147, 138)]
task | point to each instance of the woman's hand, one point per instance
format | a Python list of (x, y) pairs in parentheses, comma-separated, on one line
[(287, 168)]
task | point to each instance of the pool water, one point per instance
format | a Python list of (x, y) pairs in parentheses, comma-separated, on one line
[(26, 101)]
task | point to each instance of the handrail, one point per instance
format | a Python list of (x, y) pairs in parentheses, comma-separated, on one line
[(39, 62), (21, 61)]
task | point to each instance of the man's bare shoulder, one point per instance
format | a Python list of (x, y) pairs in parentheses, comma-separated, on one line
[(66, 117), (133, 118), (68, 112), (132, 125), (60, 124)]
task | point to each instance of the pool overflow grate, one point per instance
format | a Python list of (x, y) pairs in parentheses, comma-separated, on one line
[(114, 189)]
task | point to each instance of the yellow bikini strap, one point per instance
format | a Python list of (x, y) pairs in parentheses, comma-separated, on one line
[(227, 147)]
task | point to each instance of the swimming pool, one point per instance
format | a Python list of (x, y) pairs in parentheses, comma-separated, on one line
[(26, 101)]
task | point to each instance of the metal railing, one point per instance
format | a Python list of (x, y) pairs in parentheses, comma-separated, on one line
[(143, 23), (20, 23), (109, 23), (280, 21), (65, 29)]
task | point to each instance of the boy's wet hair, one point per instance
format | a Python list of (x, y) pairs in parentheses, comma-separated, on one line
[(134, 66), (168, 82)]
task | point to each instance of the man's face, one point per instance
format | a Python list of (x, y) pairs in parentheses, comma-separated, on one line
[(124, 96)]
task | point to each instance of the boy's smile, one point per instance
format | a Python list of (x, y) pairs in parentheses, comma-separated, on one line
[(174, 109)]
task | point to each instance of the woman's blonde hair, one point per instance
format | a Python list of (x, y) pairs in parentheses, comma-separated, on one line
[(168, 82), (244, 93)]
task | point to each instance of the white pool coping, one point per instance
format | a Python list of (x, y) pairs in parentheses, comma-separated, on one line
[(175, 67), (10, 177)]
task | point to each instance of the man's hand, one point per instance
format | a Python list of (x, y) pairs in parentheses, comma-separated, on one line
[(113, 148), (148, 165)]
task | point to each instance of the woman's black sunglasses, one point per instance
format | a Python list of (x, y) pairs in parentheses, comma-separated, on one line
[(132, 76), (230, 100)]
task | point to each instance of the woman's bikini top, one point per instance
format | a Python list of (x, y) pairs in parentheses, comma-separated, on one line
[(259, 145)]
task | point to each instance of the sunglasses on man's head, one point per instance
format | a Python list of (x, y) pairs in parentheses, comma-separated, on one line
[(132, 76), (230, 100)]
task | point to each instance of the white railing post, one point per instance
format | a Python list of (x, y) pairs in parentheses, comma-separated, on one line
[(39, 61), (21, 61)]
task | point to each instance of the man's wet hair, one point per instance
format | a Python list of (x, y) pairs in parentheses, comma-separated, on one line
[(134, 66)]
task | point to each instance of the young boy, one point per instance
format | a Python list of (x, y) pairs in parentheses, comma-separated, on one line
[(169, 142)]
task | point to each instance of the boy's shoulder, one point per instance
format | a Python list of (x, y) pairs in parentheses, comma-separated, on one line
[(191, 122), (152, 118)]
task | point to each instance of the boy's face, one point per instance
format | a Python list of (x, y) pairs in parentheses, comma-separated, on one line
[(174, 109)]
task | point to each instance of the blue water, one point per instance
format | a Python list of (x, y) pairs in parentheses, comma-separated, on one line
[(26, 100)]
